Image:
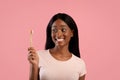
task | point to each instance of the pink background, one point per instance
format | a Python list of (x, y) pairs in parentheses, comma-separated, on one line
[(99, 30)]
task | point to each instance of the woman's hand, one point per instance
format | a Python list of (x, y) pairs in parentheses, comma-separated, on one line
[(33, 56), (34, 60)]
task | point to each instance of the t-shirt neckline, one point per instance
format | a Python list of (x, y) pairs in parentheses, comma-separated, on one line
[(57, 59)]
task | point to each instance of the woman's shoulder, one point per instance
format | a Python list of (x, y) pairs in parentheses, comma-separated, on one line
[(80, 63), (42, 52), (78, 60)]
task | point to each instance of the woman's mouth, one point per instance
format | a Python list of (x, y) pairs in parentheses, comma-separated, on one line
[(59, 39)]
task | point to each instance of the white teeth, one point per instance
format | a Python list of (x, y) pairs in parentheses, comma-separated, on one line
[(60, 39)]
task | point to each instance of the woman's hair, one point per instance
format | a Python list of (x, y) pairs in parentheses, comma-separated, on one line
[(74, 42)]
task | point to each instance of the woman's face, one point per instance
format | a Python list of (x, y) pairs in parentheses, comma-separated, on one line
[(61, 33)]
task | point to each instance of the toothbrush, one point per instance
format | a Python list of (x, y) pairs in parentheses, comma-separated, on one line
[(31, 36)]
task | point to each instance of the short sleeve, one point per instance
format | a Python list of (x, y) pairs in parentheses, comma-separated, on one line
[(40, 55), (83, 69)]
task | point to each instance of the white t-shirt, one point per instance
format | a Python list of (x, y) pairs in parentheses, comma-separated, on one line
[(53, 69)]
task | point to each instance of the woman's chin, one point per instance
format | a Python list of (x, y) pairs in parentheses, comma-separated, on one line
[(60, 44)]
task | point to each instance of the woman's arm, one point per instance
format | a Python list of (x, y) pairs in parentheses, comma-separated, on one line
[(34, 61), (82, 78), (34, 72)]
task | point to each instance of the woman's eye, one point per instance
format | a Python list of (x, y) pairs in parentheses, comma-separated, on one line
[(63, 30), (54, 30)]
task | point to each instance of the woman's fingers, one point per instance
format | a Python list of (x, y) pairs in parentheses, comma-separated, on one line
[(31, 48), (32, 51), (33, 56)]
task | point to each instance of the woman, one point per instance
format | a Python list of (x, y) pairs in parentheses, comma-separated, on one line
[(61, 58)]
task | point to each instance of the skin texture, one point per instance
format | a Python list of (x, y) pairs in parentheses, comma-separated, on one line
[(61, 35)]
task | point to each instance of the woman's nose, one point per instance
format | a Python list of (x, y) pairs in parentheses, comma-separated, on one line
[(59, 33)]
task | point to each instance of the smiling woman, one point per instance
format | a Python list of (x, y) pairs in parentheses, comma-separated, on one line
[(61, 33), (61, 58)]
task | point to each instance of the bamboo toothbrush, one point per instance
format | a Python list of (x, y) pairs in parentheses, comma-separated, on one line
[(31, 38)]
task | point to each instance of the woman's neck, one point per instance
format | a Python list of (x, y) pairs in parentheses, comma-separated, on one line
[(61, 53), (64, 51)]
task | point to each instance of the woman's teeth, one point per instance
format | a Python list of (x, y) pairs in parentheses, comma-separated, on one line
[(60, 39)]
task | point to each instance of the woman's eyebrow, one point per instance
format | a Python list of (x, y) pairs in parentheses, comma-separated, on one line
[(54, 26), (63, 26), (60, 26)]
